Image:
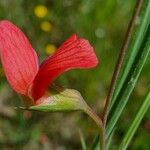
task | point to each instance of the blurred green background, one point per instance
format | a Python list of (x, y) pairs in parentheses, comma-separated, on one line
[(47, 23)]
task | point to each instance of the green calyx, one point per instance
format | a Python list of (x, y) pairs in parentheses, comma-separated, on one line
[(60, 99)]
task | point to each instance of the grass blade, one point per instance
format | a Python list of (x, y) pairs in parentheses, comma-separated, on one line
[(136, 122), (134, 48), (130, 82), (95, 144), (83, 143), (109, 141), (121, 57)]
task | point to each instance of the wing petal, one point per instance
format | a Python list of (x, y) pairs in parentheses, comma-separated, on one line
[(73, 53)]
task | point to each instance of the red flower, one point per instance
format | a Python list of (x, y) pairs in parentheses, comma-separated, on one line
[(21, 66)]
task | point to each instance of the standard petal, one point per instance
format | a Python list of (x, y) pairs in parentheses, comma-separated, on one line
[(73, 53), (18, 58)]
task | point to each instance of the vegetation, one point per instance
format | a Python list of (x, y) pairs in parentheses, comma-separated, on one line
[(104, 23)]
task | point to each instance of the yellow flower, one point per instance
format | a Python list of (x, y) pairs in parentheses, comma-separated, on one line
[(40, 11), (50, 49), (46, 26)]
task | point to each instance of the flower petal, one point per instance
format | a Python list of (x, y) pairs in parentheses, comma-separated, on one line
[(73, 53), (18, 58)]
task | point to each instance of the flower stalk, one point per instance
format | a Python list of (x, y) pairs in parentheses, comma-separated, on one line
[(99, 123)]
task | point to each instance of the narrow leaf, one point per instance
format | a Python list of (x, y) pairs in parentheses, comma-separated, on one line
[(83, 143), (109, 141), (130, 83), (136, 122), (95, 143), (134, 48)]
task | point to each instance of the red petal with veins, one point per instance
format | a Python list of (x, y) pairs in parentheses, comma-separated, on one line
[(18, 58), (73, 53)]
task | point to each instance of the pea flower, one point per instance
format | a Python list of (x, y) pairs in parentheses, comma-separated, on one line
[(20, 61)]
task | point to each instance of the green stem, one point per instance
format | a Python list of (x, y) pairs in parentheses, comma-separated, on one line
[(130, 83), (133, 49), (121, 59), (99, 123), (136, 122)]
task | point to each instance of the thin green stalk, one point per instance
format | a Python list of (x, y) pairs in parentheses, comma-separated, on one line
[(95, 142), (130, 82), (99, 123), (121, 57), (109, 141), (133, 48), (136, 122), (83, 143)]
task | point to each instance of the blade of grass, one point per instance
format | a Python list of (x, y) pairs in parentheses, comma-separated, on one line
[(109, 141), (121, 58), (95, 145), (133, 49), (95, 142), (83, 143), (136, 122), (130, 82)]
